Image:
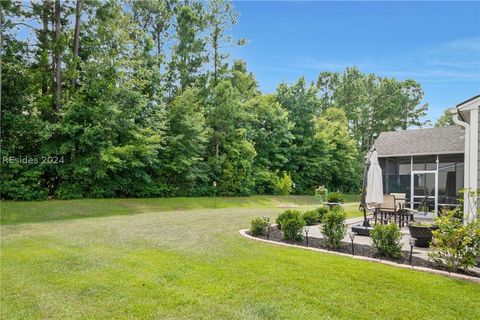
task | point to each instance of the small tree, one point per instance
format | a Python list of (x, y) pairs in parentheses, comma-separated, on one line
[(333, 227), (283, 186), (386, 240), (311, 217), (321, 193), (285, 215), (292, 227), (259, 226), (454, 244)]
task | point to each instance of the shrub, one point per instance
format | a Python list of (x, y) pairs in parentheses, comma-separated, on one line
[(321, 211), (454, 244), (283, 185), (22, 182), (292, 227), (287, 214), (320, 193), (310, 217), (259, 226), (333, 227), (336, 197), (386, 240)]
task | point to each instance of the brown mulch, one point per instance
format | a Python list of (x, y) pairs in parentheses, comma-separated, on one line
[(359, 250)]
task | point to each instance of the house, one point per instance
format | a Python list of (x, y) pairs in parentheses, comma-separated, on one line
[(432, 165)]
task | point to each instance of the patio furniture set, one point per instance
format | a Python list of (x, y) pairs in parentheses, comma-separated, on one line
[(394, 209)]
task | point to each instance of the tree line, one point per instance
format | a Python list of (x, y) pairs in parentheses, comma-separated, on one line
[(142, 99)]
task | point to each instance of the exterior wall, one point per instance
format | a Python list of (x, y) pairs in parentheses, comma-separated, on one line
[(470, 120), (474, 120)]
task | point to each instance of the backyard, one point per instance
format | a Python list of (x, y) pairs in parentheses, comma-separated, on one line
[(183, 258)]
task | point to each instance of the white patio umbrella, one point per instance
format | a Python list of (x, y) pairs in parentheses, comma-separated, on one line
[(374, 196)]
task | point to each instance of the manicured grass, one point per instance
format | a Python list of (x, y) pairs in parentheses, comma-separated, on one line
[(194, 265), (21, 212), (352, 198)]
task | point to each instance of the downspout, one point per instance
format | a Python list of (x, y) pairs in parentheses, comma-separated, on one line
[(466, 167)]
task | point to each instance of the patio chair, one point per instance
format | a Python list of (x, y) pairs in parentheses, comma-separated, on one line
[(400, 199), (387, 209), (405, 215)]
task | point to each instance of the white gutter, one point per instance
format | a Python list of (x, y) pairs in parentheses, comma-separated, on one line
[(466, 179)]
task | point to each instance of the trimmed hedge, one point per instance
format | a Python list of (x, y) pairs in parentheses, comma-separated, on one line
[(333, 227), (259, 226), (287, 214), (386, 240)]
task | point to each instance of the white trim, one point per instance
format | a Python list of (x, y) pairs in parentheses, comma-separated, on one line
[(474, 147), (467, 165), (411, 183), (470, 105), (425, 171), (413, 196), (421, 154), (436, 188)]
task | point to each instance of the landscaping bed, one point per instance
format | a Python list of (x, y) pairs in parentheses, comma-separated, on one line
[(359, 249)]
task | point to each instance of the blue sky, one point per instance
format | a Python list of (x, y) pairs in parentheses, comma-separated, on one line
[(435, 43)]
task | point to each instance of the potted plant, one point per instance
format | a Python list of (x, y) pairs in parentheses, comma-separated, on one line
[(320, 193), (335, 197), (422, 232)]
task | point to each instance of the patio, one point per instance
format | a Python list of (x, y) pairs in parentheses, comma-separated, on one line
[(314, 231), (422, 253)]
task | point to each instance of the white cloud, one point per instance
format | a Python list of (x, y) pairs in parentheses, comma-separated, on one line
[(457, 60)]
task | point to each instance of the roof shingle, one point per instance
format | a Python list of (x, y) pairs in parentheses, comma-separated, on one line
[(444, 140)]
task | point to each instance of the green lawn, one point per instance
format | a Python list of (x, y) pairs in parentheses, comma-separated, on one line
[(21, 212), (193, 264)]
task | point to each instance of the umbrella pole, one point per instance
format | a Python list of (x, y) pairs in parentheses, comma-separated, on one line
[(363, 205)]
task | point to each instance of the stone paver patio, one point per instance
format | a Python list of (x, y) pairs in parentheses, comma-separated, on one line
[(314, 231)]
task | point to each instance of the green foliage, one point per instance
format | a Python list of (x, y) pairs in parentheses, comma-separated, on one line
[(269, 130), (232, 154), (21, 129), (22, 182), (455, 245), (292, 227), (333, 227), (446, 119), (337, 197), (307, 155), (321, 193), (283, 185), (311, 217), (285, 215), (343, 169), (152, 106), (321, 212), (372, 104), (386, 240), (186, 138), (259, 226), (189, 53)]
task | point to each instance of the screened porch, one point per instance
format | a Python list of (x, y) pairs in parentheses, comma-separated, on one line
[(432, 181)]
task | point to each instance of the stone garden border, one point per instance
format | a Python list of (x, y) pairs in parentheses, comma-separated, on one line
[(244, 233)]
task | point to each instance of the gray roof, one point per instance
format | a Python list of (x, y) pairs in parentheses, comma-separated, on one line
[(444, 140)]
